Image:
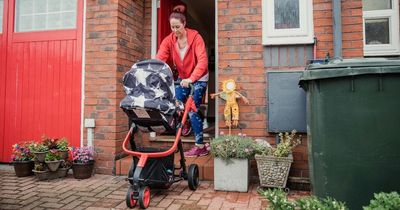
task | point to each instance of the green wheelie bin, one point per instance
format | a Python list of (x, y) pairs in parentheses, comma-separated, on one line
[(353, 128)]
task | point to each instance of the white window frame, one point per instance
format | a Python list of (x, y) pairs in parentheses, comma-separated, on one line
[(393, 48), (302, 35), (47, 27)]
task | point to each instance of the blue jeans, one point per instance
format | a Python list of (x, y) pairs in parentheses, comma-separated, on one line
[(196, 120)]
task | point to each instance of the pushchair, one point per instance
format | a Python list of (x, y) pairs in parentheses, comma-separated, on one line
[(151, 107)]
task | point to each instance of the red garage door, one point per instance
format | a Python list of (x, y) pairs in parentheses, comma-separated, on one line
[(40, 71)]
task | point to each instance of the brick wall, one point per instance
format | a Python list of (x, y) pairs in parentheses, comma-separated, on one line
[(352, 29), (113, 42), (118, 33), (240, 56), (323, 24)]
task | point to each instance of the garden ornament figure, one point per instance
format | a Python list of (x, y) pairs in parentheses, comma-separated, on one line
[(229, 94)]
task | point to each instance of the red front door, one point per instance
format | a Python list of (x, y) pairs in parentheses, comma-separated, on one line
[(163, 13), (41, 71)]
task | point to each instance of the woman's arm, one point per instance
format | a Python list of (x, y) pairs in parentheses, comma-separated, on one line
[(164, 51), (201, 56)]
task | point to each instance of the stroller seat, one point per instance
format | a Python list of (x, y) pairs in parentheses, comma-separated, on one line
[(150, 97), (148, 120)]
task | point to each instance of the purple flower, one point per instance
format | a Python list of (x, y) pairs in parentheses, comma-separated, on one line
[(82, 154)]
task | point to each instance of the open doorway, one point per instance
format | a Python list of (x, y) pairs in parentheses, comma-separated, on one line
[(200, 16)]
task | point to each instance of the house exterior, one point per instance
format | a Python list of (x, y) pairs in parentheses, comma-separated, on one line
[(249, 41)]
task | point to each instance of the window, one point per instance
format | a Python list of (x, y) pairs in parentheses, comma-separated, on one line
[(287, 22), (1, 15), (39, 15), (381, 27)]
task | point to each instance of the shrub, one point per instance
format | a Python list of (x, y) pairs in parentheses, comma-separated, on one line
[(51, 143), (39, 167), (36, 147), (278, 201), (22, 151), (226, 147), (82, 154), (384, 201), (52, 155), (288, 141), (314, 203), (62, 144)]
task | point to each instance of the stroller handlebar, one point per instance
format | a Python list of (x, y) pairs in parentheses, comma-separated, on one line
[(191, 86)]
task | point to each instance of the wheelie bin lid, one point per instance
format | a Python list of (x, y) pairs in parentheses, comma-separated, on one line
[(349, 67)]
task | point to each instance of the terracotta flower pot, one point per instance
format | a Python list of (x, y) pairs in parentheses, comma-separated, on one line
[(82, 170), (23, 168)]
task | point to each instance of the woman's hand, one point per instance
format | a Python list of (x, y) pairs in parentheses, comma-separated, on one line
[(186, 82)]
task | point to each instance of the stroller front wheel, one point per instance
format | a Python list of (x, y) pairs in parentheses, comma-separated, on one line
[(144, 197), (130, 197)]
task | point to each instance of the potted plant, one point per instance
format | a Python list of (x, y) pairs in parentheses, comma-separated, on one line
[(83, 162), (40, 171), (22, 159), (52, 160), (39, 150), (51, 143), (62, 146), (273, 163), (64, 168), (231, 162)]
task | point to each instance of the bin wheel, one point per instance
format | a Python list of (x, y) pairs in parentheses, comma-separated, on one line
[(193, 176), (144, 197), (130, 197)]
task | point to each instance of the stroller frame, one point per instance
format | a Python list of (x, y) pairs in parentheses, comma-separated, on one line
[(139, 189)]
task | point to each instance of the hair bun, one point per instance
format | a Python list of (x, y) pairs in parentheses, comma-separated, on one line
[(179, 8)]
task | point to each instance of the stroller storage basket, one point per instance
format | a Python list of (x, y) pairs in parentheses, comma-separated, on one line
[(158, 172)]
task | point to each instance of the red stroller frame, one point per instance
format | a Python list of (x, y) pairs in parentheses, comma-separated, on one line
[(142, 177)]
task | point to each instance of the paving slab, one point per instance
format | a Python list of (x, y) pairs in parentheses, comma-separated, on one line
[(108, 192)]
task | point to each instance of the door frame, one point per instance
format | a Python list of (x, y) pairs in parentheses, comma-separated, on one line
[(154, 5)]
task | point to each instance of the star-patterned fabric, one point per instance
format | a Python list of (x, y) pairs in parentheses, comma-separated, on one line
[(149, 84)]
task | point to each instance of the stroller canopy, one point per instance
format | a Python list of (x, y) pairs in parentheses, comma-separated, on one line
[(149, 84)]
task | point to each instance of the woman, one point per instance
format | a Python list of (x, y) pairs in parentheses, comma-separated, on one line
[(186, 48)]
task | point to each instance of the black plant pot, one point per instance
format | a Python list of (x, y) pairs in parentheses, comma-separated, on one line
[(82, 170), (23, 168)]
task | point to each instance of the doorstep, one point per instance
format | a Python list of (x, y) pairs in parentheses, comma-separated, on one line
[(205, 163)]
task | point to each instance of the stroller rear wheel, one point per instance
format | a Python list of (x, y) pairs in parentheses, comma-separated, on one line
[(130, 198), (144, 197), (193, 176)]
